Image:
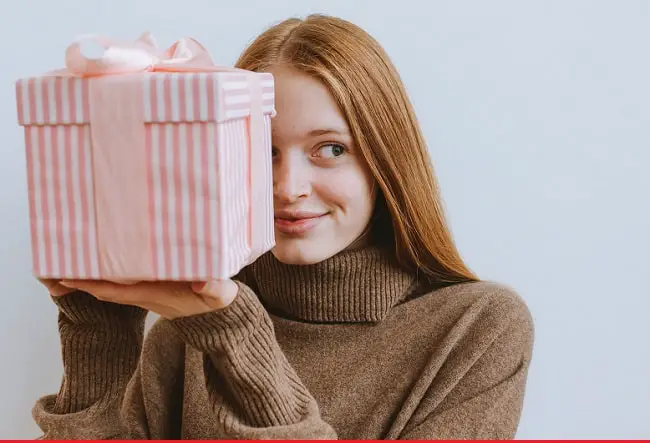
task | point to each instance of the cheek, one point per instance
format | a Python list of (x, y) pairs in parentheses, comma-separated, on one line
[(346, 189)]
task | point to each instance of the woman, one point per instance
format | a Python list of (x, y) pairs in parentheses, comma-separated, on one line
[(362, 323)]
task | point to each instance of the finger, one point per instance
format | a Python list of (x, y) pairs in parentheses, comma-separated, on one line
[(223, 290), (125, 282), (55, 288), (198, 287), (102, 290), (82, 284)]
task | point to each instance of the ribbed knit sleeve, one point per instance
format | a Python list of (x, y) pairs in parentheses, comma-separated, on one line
[(101, 344), (268, 399)]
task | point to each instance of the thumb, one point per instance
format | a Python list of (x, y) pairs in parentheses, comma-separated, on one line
[(223, 290)]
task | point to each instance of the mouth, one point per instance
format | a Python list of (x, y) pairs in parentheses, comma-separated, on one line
[(297, 223)]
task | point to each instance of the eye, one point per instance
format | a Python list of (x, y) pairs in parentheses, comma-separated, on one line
[(330, 151)]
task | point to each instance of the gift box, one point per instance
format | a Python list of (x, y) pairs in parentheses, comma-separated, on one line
[(146, 164)]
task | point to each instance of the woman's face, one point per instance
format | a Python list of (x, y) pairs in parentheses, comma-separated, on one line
[(322, 188)]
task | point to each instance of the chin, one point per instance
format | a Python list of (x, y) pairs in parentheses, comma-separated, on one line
[(301, 251)]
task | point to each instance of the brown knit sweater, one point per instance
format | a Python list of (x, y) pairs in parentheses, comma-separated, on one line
[(350, 348)]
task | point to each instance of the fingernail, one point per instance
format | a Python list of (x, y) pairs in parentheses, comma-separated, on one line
[(200, 288)]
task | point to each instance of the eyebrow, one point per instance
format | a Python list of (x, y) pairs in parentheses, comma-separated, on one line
[(325, 131)]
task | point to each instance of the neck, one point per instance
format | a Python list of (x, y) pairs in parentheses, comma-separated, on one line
[(359, 284)]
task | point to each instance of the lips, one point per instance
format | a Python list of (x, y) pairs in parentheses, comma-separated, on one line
[(295, 223)]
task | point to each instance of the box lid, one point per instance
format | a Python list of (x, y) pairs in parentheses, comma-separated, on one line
[(167, 97)]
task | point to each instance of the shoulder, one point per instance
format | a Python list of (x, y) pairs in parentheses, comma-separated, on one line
[(484, 298), (482, 312), (499, 313), (492, 297)]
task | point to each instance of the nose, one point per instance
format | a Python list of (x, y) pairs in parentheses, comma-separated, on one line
[(291, 177)]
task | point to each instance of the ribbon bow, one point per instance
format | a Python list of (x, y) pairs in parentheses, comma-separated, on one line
[(141, 55)]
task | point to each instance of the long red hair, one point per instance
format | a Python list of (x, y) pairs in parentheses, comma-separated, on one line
[(371, 95)]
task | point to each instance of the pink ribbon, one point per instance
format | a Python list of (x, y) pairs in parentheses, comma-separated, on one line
[(141, 55)]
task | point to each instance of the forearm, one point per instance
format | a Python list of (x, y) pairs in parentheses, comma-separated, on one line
[(266, 398), (101, 344)]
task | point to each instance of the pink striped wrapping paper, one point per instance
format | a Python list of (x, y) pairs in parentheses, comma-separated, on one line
[(200, 197)]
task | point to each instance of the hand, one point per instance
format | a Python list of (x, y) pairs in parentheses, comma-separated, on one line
[(55, 288), (167, 299)]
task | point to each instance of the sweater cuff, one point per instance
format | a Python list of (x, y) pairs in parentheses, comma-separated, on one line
[(81, 308), (228, 328)]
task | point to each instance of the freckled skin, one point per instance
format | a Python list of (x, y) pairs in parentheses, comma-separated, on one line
[(316, 170)]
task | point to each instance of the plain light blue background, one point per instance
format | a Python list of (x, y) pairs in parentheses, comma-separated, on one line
[(538, 117)]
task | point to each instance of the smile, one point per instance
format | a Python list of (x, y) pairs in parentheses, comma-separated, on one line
[(297, 223)]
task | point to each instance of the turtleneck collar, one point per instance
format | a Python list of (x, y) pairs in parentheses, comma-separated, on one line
[(359, 285)]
